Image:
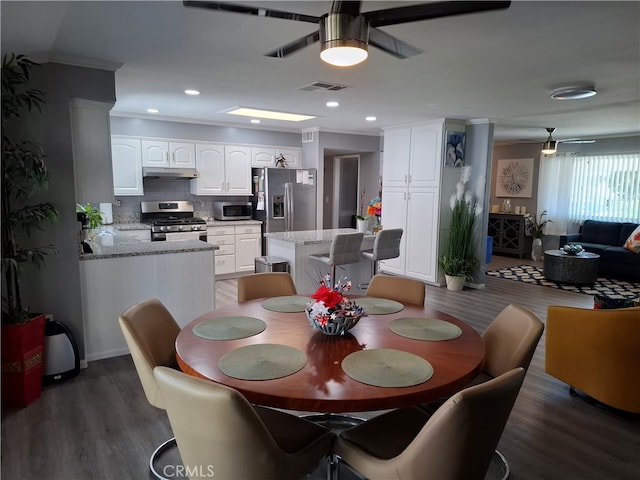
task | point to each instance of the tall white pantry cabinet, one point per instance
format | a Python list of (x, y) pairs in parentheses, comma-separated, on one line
[(411, 173)]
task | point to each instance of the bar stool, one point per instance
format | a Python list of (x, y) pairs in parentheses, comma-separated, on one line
[(385, 246), (345, 249)]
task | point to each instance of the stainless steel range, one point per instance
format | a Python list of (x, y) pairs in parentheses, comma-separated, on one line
[(173, 221)]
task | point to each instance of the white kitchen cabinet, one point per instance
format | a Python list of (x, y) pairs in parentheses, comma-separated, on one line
[(126, 158), (92, 167), (266, 156), (413, 156), (239, 246), (167, 154), (263, 156), (248, 246), (223, 169), (225, 257), (293, 156), (411, 197), (416, 212)]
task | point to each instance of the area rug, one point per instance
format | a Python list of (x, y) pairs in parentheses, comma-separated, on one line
[(603, 286)]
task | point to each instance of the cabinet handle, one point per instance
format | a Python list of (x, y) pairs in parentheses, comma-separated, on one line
[(406, 179), (410, 178), (227, 186), (166, 157)]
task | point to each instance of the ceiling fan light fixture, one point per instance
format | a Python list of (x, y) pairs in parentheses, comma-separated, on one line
[(550, 146), (575, 92), (344, 39)]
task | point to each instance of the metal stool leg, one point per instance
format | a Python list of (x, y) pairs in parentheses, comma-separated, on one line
[(163, 447), (505, 464)]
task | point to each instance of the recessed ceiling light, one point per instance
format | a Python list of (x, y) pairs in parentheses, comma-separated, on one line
[(332, 104), (153, 110), (574, 92), (255, 120), (370, 119), (192, 92), (270, 114)]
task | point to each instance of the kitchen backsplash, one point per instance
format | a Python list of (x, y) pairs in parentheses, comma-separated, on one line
[(127, 209)]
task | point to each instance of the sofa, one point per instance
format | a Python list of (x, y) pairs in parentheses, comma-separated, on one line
[(607, 240), (596, 352)]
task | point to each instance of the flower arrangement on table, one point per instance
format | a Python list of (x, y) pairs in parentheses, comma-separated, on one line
[(374, 207), (331, 311)]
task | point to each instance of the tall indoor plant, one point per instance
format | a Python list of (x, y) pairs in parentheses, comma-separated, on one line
[(537, 226), (24, 175), (459, 260)]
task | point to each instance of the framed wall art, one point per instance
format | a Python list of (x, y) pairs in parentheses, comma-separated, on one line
[(454, 149), (514, 178)]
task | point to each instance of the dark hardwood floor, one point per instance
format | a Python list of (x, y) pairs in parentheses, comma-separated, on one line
[(100, 426)]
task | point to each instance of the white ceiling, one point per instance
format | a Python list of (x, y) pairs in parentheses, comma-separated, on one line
[(498, 65)]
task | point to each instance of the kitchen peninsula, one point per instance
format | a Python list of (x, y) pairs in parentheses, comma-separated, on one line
[(123, 271), (295, 248)]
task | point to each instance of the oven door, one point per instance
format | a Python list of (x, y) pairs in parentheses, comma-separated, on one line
[(179, 236)]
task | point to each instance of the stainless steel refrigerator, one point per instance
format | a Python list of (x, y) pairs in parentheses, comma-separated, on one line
[(284, 199)]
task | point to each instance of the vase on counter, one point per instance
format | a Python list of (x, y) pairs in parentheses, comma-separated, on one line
[(506, 206), (362, 225), (536, 250)]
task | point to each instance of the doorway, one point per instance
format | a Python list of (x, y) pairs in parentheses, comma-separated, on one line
[(345, 191)]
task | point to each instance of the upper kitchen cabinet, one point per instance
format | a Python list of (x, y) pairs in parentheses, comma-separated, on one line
[(266, 156), (412, 156), (223, 170), (126, 157), (91, 151), (167, 154)]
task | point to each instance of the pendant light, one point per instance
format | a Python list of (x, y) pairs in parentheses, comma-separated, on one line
[(550, 146)]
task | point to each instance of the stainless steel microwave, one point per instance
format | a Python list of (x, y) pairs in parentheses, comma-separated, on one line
[(232, 210)]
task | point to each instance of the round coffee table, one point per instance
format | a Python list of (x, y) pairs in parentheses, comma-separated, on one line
[(564, 268)]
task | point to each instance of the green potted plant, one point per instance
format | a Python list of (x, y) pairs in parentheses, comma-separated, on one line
[(459, 260), (24, 175), (536, 225), (94, 217)]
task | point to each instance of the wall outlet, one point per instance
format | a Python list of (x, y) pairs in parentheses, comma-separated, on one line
[(202, 204)]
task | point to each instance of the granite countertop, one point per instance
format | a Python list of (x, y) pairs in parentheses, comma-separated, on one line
[(114, 246), (309, 237)]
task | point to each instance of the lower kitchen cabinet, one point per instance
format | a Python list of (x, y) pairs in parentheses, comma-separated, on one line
[(239, 246), (508, 232)]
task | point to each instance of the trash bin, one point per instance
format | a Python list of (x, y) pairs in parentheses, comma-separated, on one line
[(489, 250), (271, 264)]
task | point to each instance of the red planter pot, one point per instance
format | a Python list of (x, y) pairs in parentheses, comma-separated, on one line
[(22, 356)]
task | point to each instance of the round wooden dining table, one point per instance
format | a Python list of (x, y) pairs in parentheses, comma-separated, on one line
[(322, 385)]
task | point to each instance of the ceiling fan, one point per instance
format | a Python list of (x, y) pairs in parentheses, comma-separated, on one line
[(550, 145), (347, 30)]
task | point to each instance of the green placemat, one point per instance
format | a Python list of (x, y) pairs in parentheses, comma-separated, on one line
[(287, 304), (425, 329), (262, 362), (229, 328), (383, 367), (379, 306)]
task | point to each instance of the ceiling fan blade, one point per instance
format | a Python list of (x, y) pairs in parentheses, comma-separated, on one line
[(391, 44), (425, 11), (294, 46), (260, 12)]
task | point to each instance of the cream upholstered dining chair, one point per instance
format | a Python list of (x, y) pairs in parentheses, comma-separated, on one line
[(385, 246), (400, 289), (219, 432), (150, 332), (265, 285), (345, 249), (455, 443)]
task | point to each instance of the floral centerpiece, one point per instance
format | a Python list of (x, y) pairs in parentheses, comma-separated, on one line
[(535, 226), (459, 258), (330, 311), (374, 210)]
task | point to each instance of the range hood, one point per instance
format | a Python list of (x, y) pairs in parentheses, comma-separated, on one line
[(164, 172)]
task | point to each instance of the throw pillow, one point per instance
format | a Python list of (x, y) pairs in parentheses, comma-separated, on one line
[(633, 242), (603, 302)]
